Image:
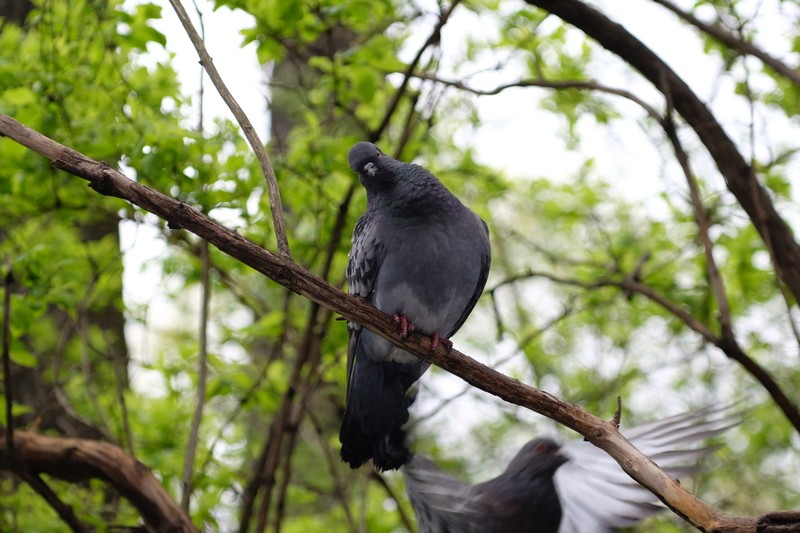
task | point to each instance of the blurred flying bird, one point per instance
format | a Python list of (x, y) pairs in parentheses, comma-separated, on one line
[(570, 488)]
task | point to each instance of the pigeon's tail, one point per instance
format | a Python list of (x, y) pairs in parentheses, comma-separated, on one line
[(377, 408)]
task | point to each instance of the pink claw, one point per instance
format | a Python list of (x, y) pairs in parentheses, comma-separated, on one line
[(436, 340), (406, 327)]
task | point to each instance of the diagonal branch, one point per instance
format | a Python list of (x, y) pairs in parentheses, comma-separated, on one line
[(432, 39), (728, 344), (732, 41), (283, 270), (249, 132), (739, 176)]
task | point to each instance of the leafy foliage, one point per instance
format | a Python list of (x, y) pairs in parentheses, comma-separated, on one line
[(557, 313)]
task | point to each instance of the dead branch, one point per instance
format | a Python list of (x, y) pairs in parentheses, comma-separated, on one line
[(283, 270)]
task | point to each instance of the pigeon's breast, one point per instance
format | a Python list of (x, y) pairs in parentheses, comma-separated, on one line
[(430, 274)]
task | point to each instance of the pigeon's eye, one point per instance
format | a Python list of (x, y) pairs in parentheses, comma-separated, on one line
[(540, 447), (378, 154)]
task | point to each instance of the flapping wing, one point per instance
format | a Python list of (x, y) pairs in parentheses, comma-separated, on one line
[(441, 503), (597, 496)]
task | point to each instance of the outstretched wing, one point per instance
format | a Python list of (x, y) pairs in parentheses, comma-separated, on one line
[(597, 496)]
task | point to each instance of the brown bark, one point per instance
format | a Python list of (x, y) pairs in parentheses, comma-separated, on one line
[(83, 459), (283, 270), (739, 176)]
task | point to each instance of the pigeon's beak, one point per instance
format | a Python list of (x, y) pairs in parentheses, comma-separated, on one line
[(370, 169)]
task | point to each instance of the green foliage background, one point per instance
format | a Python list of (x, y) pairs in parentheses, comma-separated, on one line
[(77, 73)]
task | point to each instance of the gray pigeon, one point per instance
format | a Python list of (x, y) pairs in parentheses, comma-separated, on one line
[(574, 488), (423, 257)]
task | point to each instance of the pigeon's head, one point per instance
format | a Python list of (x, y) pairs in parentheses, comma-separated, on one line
[(374, 168), (537, 457)]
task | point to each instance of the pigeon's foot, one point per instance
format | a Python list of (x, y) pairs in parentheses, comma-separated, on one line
[(406, 327), (436, 340)]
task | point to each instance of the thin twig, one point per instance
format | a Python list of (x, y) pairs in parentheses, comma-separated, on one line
[(404, 518), (7, 279), (202, 376), (64, 511), (729, 39), (433, 38), (580, 85), (245, 124), (703, 224)]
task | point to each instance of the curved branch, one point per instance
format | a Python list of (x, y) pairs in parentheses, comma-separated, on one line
[(732, 41), (283, 270), (84, 459), (726, 342), (739, 176), (587, 85)]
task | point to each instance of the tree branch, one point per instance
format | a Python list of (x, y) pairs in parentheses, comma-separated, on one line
[(249, 132), (283, 270), (6, 349), (739, 176), (433, 38), (202, 376), (728, 345), (732, 41), (84, 459)]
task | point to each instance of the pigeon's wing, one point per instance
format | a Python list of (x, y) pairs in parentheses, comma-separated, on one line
[(366, 255), (441, 503), (597, 496), (486, 261)]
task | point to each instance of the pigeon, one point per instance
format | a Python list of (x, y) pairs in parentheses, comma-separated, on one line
[(421, 256), (570, 488)]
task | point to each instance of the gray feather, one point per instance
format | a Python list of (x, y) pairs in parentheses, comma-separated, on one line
[(416, 251), (592, 494)]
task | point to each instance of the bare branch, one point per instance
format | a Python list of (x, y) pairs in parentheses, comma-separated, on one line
[(729, 39), (701, 217), (581, 85), (728, 345), (283, 270), (739, 176), (84, 459), (64, 511), (434, 38), (7, 385), (202, 375), (247, 127)]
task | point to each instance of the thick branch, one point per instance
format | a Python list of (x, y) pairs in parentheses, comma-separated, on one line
[(284, 271), (83, 459), (739, 176)]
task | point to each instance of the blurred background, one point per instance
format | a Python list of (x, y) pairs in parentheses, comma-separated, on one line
[(617, 270)]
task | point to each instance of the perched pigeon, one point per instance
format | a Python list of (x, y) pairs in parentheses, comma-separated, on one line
[(421, 256), (574, 488)]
